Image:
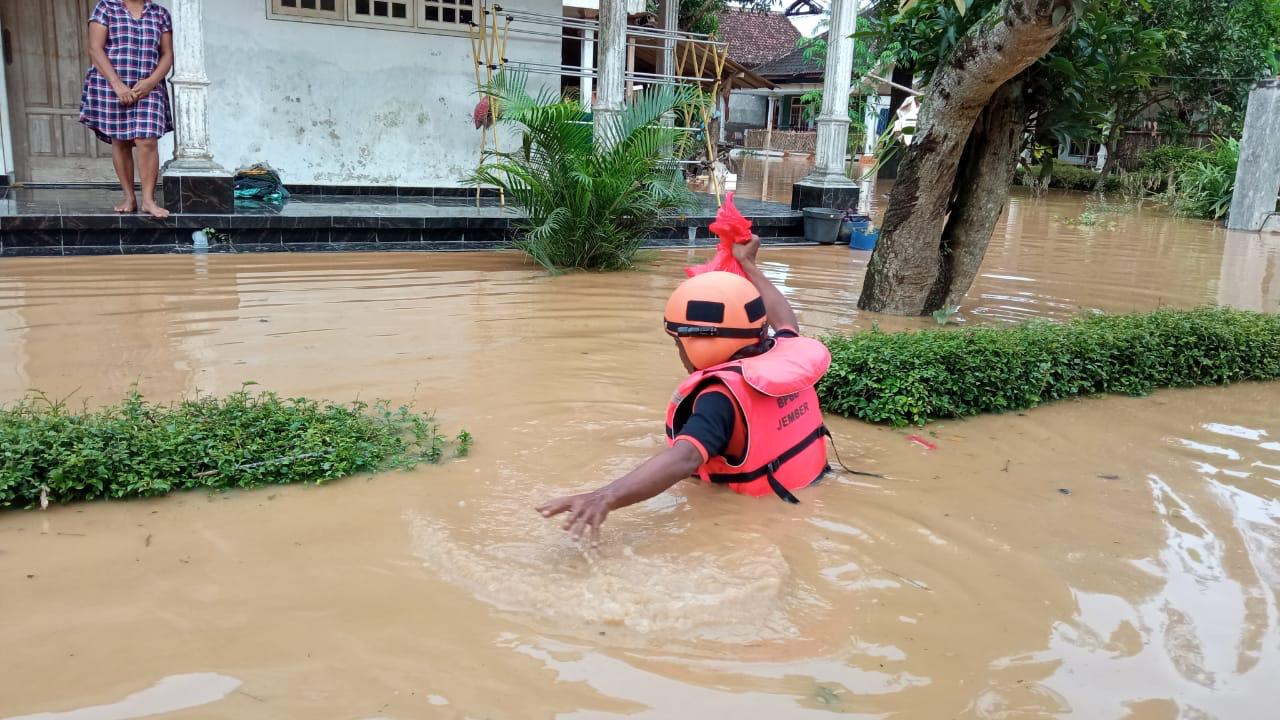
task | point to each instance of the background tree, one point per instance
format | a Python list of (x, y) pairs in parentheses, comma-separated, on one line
[(955, 178), (1215, 50), (701, 16), (1116, 62)]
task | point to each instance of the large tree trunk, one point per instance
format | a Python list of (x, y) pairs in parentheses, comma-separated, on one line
[(908, 260), (981, 191)]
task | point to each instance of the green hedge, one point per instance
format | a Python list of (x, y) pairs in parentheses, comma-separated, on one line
[(1066, 177), (137, 449), (911, 377)]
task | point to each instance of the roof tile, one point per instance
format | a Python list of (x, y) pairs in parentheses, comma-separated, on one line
[(756, 37)]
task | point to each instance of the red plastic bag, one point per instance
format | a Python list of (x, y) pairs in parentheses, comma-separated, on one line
[(731, 227)]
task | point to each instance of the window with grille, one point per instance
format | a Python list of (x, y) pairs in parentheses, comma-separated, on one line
[(450, 16), (445, 12), (331, 9), (383, 12)]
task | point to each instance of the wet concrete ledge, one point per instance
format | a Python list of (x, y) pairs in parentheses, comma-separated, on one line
[(57, 221)]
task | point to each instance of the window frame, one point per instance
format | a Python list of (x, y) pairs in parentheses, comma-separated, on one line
[(409, 21), (345, 10), (277, 7), (457, 6)]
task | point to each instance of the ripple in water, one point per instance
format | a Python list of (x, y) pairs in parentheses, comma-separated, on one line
[(733, 594)]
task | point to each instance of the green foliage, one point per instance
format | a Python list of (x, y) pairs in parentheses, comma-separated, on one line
[(699, 16), (1171, 158), (588, 206), (1216, 49), (1193, 182), (1064, 177), (1119, 59), (1202, 186), (138, 449), (464, 443), (912, 377)]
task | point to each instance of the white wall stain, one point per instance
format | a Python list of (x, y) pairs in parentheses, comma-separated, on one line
[(345, 105)]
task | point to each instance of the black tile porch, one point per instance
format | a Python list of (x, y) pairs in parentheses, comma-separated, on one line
[(78, 221)]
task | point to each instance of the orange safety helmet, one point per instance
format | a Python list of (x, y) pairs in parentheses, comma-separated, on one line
[(714, 315)]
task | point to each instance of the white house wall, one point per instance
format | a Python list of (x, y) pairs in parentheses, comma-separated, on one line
[(341, 105)]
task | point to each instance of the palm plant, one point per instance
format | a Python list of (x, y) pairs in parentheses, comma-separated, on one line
[(588, 205), (1203, 188)]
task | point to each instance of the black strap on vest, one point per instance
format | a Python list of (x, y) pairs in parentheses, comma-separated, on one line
[(768, 470), (781, 491)]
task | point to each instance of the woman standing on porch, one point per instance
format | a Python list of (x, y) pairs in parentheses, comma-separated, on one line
[(125, 101)]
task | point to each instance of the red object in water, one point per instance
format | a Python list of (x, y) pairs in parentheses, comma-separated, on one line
[(731, 227), (922, 442)]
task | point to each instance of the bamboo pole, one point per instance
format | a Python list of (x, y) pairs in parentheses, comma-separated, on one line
[(489, 50), (477, 32)]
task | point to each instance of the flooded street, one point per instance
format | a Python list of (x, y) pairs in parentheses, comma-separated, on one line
[(1102, 558)]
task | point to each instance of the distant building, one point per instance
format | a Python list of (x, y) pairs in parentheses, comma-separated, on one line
[(769, 44)]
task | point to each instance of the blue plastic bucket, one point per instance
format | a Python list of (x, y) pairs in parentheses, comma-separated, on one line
[(862, 236)]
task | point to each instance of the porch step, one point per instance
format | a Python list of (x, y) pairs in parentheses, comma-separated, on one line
[(52, 222)]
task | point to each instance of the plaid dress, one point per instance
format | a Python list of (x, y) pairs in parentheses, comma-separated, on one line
[(133, 47)]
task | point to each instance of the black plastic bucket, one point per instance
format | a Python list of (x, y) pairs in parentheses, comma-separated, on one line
[(822, 225)]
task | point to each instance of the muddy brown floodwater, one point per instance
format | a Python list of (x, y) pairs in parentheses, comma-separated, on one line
[(967, 585)]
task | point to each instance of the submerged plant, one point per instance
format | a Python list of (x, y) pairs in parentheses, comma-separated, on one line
[(1203, 187), (587, 205), (464, 443), (1096, 210), (138, 449), (942, 316)]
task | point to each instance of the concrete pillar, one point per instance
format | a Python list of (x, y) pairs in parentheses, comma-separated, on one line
[(1258, 174), (768, 121), (871, 123), (828, 186), (669, 20), (7, 165), (193, 182), (586, 84), (612, 74)]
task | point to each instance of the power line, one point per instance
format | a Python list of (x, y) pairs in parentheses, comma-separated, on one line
[(1203, 77)]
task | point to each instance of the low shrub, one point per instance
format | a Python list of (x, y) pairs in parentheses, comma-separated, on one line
[(138, 449), (912, 377), (1065, 177), (1164, 159), (1202, 187)]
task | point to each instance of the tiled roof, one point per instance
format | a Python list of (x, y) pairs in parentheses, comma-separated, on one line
[(791, 65), (755, 38)]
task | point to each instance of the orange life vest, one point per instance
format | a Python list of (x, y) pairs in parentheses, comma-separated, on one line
[(784, 443)]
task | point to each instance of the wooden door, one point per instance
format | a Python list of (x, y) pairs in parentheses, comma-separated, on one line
[(45, 62)]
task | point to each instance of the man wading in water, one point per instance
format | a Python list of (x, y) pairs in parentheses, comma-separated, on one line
[(747, 416)]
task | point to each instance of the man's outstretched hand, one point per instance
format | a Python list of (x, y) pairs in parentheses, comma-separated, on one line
[(588, 510), (586, 514)]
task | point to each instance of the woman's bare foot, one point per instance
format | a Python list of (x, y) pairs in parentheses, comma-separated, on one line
[(129, 205), (151, 208)]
